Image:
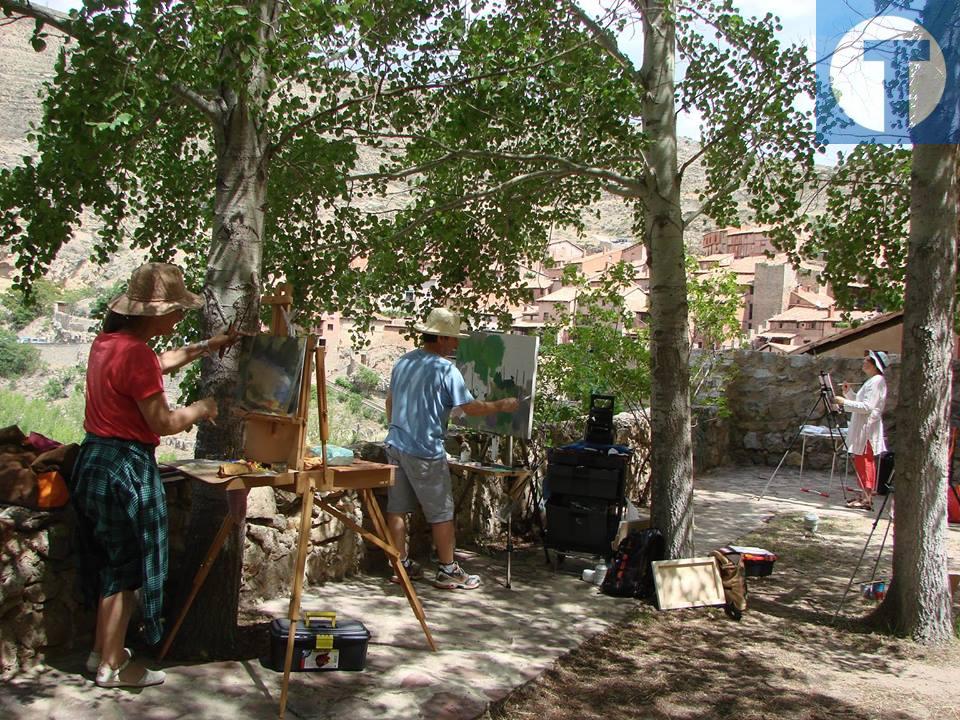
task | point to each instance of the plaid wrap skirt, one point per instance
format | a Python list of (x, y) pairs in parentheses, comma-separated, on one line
[(121, 524)]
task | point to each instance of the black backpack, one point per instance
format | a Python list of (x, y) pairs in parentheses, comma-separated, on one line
[(630, 573)]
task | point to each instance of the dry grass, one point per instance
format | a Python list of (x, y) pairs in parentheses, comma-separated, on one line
[(788, 657)]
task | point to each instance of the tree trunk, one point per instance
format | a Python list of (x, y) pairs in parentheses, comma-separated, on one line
[(232, 292), (671, 459), (918, 603)]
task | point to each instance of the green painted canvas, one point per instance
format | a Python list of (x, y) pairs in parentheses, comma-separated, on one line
[(494, 366)]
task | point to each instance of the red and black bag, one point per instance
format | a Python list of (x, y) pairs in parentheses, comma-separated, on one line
[(630, 573)]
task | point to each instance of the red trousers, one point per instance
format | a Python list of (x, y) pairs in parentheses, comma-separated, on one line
[(866, 467)]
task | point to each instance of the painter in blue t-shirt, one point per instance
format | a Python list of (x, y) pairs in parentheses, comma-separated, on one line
[(424, 388)]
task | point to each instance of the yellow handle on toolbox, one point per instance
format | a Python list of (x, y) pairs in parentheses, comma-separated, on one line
[(330, 615)]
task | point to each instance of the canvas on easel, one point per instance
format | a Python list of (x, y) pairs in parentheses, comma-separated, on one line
[(828, 392), (498, 365), (271, 369)]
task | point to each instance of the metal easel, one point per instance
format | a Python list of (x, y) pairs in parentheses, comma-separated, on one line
[(883, 542), (832, 413)]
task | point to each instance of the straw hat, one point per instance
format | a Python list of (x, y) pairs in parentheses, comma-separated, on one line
[(442, 322), (155, 289), (879, 359)]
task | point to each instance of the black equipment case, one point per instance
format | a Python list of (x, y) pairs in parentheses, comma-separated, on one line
[(321, 643), (600, 420), (586, 499)]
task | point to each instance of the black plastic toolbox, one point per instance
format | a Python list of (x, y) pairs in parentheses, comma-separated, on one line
[(587, 458), (321, 643)]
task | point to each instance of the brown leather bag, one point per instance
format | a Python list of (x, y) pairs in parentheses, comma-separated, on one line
[(734, 579)]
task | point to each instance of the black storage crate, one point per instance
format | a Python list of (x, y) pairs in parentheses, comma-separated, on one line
[(585, 500), (580, 526), (321, 644), (587, 481)]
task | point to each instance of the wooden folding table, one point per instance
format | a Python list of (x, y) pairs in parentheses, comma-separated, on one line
[(516, 478)]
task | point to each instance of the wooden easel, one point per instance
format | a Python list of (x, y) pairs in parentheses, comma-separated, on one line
[(265, 437), (281, 439)]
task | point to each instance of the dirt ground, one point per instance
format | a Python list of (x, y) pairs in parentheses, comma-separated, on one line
[(789, 657)]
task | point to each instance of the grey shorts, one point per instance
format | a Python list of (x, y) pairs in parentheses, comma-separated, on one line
[(420, 480)]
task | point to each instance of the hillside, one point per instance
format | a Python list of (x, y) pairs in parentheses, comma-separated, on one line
[(24, 71)]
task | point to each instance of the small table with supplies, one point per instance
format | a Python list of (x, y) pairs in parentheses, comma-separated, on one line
[(516, 478), (361, 476)]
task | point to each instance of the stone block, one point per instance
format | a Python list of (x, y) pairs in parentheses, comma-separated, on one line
[(261, 504), (28, 629), (9, 662), (49, 587), (57, 623)]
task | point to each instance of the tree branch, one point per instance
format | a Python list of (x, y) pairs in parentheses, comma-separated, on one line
[(70, 26), (54, 19), (616, 182), (419, 87), (463, 200), (603, 38), (208, 108)]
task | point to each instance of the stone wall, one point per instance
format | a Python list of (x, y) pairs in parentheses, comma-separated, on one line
[(40, 608), (768, 397), (38, 605)]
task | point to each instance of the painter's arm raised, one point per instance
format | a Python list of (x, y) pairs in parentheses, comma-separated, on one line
[(488, 407)]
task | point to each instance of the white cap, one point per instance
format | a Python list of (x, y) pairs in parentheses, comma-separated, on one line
[(879, 359)]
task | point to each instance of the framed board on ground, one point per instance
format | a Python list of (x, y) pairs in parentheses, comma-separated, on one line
[(688, 582)]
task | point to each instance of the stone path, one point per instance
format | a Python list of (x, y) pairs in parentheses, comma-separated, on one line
[(490, 640)]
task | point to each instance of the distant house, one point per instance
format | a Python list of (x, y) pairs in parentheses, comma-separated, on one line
[(548, 307), (738, 241), (565, 251), (598, 262), (883, 332), (538, 283), (802, 324)]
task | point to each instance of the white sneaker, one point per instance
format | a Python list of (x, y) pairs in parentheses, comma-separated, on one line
[(456, 579), (108, 677), (93, 660)]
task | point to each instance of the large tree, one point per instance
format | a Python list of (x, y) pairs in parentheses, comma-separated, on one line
[(613, 122), (230, 138), (918, 603), (889, 236)]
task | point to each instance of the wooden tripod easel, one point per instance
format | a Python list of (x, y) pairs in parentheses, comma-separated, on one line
[(280, 439), (361, 476)]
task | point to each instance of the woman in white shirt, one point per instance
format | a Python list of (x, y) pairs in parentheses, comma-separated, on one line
[(865, 431)]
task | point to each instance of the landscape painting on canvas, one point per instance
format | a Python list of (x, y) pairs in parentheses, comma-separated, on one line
[(270, 372), (497, 366)]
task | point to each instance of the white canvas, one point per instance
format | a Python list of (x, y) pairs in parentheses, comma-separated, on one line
[(688, 582), (494, 366)]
